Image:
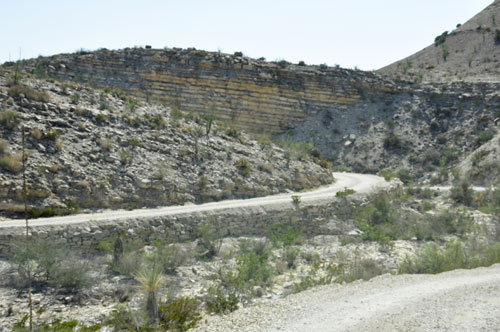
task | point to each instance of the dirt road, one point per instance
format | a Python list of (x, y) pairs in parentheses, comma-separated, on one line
[(362, 183), (461, 300)]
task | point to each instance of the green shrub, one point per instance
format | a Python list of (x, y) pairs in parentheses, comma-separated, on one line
[(220, 301), (180, 314), (281, 235), (296, 199), (168, 257), (463, 193), (253, 269), (290, 255), (441, 38), (455, 255), (101, 118), (51, 265), (387, 174), (485, 136), (244, 166), (393, 141), (345, 193), (265, 168), (9, 119), (56, 325), (209, 240), (75, 98), (19, 90), (122, 318), (445, 53)]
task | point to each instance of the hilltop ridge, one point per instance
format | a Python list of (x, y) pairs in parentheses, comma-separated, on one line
[(470, 53)]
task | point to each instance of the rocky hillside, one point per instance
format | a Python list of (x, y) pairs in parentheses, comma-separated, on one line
[(423, 135), (93, 148), (471, 53)]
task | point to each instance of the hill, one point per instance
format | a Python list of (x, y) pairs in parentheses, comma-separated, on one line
[(470, 53), (92, 148)]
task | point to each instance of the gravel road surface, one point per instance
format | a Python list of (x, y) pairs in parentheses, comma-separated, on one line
[(362, 183), (461, 300)]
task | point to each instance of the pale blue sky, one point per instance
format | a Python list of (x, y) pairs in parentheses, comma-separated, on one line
[(362, 33)]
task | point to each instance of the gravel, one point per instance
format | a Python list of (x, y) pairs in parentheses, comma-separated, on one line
[(461, 300)]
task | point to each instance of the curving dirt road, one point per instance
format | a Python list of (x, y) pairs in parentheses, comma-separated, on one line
[(461, 300), (362, 183)]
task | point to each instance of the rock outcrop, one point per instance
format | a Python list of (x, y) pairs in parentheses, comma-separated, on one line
[(249, 94), (90, 149)]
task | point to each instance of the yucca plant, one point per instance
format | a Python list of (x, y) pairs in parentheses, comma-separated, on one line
[(150, 279)]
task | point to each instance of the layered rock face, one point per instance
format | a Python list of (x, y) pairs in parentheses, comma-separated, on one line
[(91, 149), (249, 94)]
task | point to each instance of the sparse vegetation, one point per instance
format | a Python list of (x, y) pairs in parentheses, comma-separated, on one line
[(455, 255), (243, 166), (23, 91), (441, 39)]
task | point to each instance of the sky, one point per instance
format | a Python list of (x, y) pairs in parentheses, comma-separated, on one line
[(366, 34)]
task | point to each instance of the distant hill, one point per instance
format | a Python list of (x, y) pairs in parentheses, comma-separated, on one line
[(469, 53)]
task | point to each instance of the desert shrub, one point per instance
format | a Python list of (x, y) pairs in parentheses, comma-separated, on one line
[(404, 175), (253, 269), (209, 240), (346, 192), (70, 273), (122, 318), (220, 301), (364, 268), (180, 314), (449, 155), (450, 223), (455, 255), (51, 265), (129, 263), (299, 150), (101, 118), (394, 142), (9, 119), (75, 98), (155, 121), (380, 218), (176, 113), (485, 136), (282, 235), (243, 166), (47, 212), (19, 90), (56, 325), (168, 257), (268, 168), (290, 256), (320, 274), (387, 174), (463, 193), (11, 163), (4, 146), (430, 158), (441, 38), (258, 247), (235, 133)]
